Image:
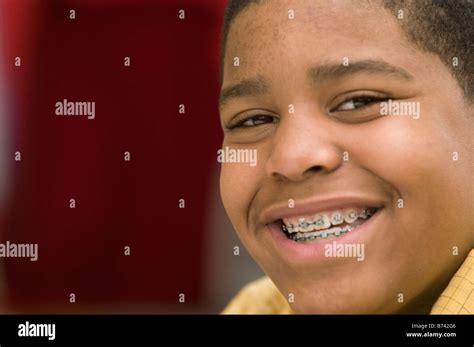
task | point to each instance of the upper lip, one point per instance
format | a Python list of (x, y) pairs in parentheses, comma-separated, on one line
[(302, 207)]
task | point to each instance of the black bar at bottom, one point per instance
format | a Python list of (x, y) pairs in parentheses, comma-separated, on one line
[(404, 330)]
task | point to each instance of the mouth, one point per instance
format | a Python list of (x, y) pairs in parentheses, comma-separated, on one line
[(310, 228)]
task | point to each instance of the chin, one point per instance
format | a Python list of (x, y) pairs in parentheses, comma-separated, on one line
[(348, 295)]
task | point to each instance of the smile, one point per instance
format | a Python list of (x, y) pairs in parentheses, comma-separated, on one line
[(300, 234), (324, 225)]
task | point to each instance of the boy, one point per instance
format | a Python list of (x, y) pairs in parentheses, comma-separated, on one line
[(360, 113)]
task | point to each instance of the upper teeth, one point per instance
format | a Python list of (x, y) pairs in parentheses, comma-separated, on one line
[(321, 221)]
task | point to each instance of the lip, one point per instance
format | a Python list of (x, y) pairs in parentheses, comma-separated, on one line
[(314, 252), (277, 212)]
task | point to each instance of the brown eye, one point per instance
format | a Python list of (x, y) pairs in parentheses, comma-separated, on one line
[(357, 102), (254, 121)]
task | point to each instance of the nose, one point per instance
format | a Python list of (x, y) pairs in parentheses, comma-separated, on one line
[(303, 146)]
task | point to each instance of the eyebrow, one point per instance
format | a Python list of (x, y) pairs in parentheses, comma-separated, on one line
[(317, 74), (245, 88), (320, 73)]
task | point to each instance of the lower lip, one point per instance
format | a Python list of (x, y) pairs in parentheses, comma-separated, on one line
[(298, 252)]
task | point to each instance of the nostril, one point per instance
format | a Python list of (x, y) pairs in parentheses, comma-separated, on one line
[(315, 169)]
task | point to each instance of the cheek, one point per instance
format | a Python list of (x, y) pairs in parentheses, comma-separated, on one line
[(411, 155), (415, 157), (238, 185)]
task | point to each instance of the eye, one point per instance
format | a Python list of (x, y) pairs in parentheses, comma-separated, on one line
[(357, 102), (253, 121)]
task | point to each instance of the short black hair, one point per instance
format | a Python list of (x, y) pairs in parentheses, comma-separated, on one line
[(442, 27)]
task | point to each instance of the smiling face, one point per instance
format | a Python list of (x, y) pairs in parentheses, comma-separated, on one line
[(306, 95)]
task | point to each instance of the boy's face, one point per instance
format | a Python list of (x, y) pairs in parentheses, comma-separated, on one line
[(336, 152)]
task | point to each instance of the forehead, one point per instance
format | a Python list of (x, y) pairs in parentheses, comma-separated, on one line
[(264, 35)]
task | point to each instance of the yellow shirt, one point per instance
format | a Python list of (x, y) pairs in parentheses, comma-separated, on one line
[(263, 297)]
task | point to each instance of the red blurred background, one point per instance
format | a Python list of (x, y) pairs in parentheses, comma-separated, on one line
[(118, 203)]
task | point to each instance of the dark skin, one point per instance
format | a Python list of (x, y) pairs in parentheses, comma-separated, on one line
[(297, 62)]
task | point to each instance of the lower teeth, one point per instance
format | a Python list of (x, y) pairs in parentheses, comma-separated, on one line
[(323, 234)]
